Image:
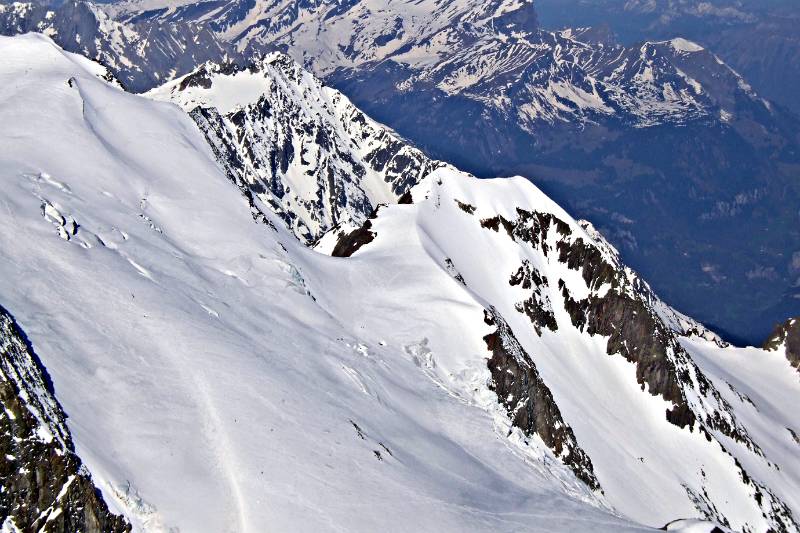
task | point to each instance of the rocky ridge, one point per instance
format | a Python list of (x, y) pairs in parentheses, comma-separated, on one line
[(787, 336), (46, 488), (299, 147)]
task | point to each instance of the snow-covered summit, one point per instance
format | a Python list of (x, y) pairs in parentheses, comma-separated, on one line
[(479, 361)]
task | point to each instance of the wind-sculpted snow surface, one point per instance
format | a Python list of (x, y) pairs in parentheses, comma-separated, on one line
[(218, 375), (221, 376), (300, 148)]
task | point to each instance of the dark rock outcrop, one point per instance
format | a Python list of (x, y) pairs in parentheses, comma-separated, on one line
[(639, 337), (528, 400), (788, 335), (621, 307), (537, 307), (45, 486), (351, 242), (638, 326)]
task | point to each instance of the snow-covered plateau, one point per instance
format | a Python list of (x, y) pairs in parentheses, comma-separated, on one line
[(452, 354)]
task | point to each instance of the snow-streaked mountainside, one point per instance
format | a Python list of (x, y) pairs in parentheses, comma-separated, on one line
[(298, 147), (470, 358), (544, 77), (140, 55), (756, 37), (493, 52), (333, 33)]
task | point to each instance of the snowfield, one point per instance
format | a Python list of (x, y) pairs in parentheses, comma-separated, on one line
[(220, 376), (205, 388)]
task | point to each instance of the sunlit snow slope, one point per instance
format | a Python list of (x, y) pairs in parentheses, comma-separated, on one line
[(207, 385), (475, 360), (673, 422)]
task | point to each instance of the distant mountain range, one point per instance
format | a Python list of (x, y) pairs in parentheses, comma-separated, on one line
[(685, 166), (141, 56), (675, 156), (758, 38)]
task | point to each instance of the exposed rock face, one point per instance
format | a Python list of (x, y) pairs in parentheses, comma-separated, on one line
[(638, 326), (530, 405), (537, 306), (299, 148), (623, 308), (787, 335), (45, 485), (349, 243), (633, 330)]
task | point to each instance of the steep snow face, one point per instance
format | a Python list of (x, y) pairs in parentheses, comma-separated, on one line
[(296, 146), (667, 427), (218, 375)]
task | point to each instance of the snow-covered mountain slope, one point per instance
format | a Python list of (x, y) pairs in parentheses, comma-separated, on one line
[(480, 361), (139, 54), (663, 424), (208, 385), (295, 145), (45, 486)]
